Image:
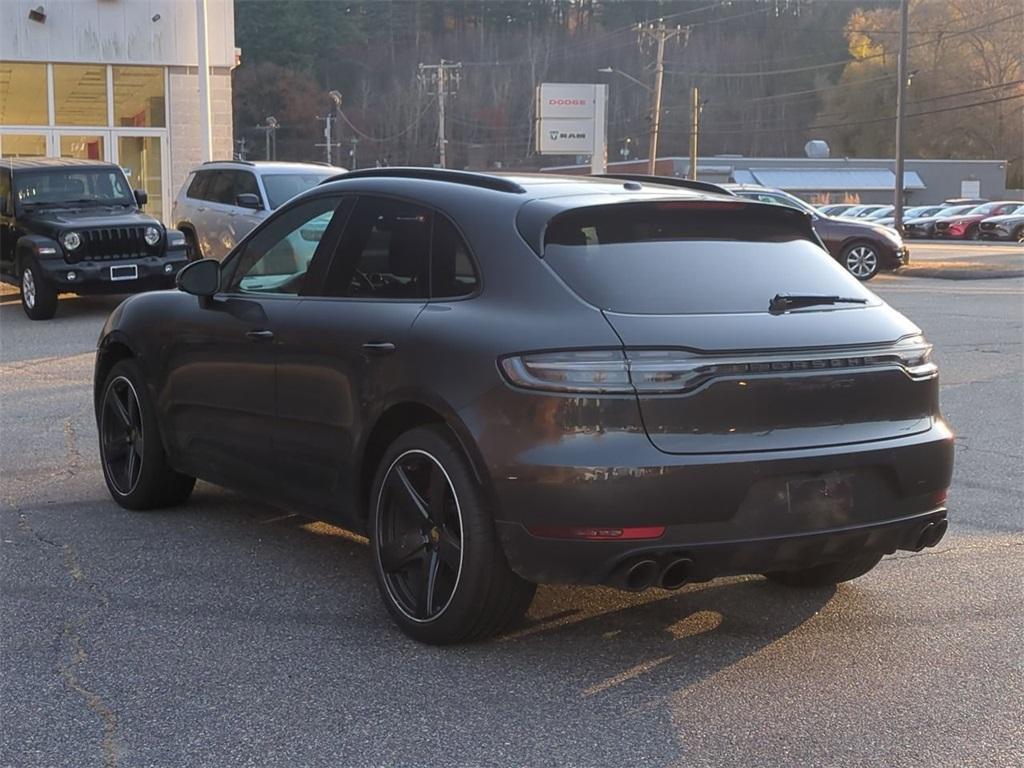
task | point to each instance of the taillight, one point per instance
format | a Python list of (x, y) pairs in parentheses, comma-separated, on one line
[(667, 371)]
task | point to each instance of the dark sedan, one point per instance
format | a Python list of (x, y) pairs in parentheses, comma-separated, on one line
[(924, 226), (863, 247), (506, 381)]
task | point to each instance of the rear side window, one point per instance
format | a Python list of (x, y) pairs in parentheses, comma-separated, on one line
[(451, 267), (686, 258), (200, 183), (221, 188)]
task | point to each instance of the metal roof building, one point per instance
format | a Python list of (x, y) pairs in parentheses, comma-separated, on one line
[(837, 180)]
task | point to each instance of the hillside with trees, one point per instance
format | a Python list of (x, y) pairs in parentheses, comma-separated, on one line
[(773, 74)]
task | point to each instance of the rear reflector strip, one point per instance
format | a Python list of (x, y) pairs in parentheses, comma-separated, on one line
[(589, 533)]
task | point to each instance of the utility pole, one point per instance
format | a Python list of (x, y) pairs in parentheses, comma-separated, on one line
[(901, 107), (240, 155), (443, 80), (659, 34), (695, 109)]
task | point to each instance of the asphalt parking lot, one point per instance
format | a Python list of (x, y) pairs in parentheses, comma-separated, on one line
[(228, 633)]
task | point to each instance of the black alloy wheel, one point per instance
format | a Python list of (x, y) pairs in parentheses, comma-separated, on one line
[(419, 535), (122, 435), (135, 467), (439, 562)]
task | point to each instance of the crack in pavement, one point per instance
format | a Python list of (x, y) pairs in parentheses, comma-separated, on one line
[(76, 654)]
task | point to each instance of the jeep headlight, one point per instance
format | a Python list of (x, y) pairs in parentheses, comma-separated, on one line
[(151, 235), (71, 241)]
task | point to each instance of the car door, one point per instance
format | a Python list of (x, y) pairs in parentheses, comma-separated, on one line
[(216, 240), (345, 350), (220, 396), (241, 221)]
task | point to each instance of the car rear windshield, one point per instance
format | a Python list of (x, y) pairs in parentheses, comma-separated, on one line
[(282, 187), (658, 258)]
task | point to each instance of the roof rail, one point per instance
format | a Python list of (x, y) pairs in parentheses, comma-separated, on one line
[(668, 181), (467, 178), (240, 162)]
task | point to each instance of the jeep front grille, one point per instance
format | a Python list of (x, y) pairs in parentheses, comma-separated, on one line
[(114, 243)]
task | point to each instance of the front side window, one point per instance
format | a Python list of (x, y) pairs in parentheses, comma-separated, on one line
[(384, 253), (88, 186), (221, 188), (277, 258)]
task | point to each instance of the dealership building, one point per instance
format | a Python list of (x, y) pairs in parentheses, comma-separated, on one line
[(836, 179), (116, 80)]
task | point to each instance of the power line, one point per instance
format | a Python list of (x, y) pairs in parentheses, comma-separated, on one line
[(844, 62), (392, 137)]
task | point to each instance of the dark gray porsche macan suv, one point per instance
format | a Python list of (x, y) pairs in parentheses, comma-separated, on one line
[(512, 380)]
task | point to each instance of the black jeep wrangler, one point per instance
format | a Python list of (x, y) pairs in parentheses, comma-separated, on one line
[(76, 226)]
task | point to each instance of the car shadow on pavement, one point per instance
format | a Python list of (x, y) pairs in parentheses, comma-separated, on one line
[(69, 306)]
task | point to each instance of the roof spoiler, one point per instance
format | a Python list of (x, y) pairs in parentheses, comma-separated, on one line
[(668, 181)]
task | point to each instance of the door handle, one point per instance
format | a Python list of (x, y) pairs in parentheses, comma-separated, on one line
[(378, 347), (259, 335)]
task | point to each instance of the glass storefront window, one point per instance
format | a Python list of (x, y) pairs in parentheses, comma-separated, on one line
[(22, 145), (139, 156), (82, 147), (139, 97), (80, 94), (23, 94)]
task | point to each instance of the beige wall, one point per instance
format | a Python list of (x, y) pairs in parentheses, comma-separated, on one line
[(183, 115)]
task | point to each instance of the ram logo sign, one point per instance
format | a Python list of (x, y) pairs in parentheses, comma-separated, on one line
[(570, 119)]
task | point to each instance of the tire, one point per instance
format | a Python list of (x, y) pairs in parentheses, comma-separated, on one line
[(440, 568), (192, 250), (138, 478), (1018, 235), (826, 575), (861, 260), (38, 295)]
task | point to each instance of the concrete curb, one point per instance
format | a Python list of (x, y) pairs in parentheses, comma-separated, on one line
[(960, 273)]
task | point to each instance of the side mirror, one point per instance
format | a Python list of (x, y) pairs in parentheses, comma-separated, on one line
[(248, 200), (141, 197), (200, 278)]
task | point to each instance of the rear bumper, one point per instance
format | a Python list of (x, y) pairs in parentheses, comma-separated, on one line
[(731, 513)]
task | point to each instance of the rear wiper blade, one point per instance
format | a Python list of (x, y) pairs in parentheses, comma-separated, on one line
[(783, 302)]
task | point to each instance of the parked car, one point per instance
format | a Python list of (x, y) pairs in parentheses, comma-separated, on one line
[(915, 212), (221, 202), (964, 226), (860, 211), (76, 226), (512, 380), (863, 247), (835, 209), (879, 213), (965, 201), (1008, 226), (924, 226)]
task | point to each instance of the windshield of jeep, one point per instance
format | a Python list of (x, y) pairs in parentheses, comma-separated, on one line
[(72, 188)]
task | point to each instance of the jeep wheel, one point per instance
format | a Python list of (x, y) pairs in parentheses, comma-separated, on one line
[(38, 296)]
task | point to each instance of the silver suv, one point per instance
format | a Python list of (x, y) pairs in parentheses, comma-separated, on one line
[(221, 202)]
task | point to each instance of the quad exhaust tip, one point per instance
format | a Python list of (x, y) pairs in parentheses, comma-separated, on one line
[(931, 535), (641, 573), (676, 573)]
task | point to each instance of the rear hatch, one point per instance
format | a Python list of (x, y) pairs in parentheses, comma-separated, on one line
[(687, 287)]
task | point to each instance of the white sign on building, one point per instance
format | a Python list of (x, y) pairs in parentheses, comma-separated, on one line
[(571, 120)]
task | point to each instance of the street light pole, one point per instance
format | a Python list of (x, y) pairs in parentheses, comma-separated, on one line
[(694, 129), (901, 106), (205, 129)]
